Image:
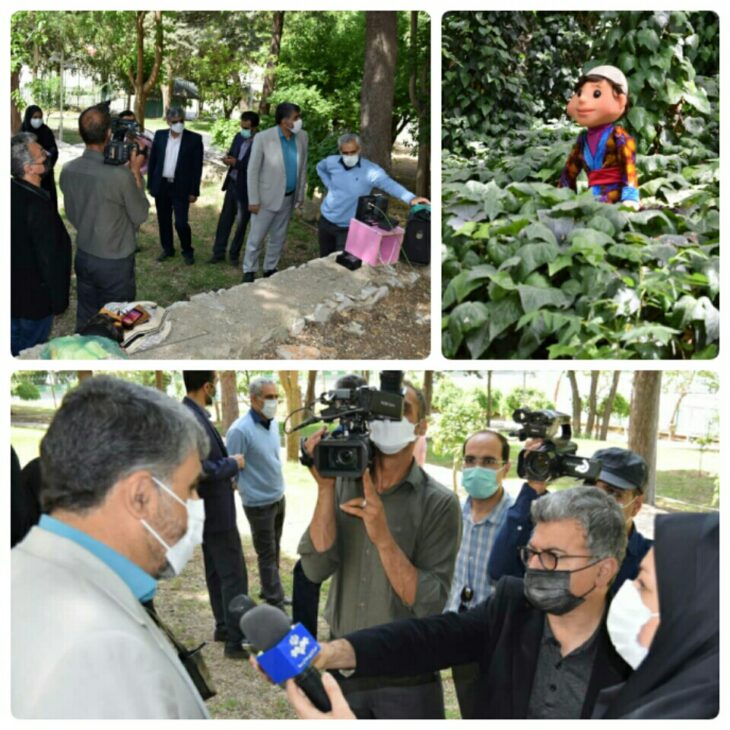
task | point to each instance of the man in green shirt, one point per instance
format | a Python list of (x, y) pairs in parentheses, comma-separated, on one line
[(107, 205), (389, 541)]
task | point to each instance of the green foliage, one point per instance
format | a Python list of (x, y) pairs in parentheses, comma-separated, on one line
[(26, 390), (621, 406), (459, 415), (535, 271), (223, 131), (45, 92), (526, 398)]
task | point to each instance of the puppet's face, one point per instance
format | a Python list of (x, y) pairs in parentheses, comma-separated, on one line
[(596, 104)]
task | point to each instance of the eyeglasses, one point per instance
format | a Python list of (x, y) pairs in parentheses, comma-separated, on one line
[(488, 462), (548, 559)]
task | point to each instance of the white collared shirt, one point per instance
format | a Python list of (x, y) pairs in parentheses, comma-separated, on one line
[(171, 153)]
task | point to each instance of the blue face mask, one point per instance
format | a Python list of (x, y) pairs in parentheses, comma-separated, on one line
[(245, 133), (479, 482)]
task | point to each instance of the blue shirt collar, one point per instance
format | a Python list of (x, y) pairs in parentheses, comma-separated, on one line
[(492, 517), (282, 136), (258, 418), (141, 583)]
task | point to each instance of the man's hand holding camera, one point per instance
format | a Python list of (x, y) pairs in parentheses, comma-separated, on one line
[(326, 483), (136, 163), (370, 510)]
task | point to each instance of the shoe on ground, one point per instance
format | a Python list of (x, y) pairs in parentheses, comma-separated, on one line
[(189, 260), (165, 256), (269, 273), (241, 650), (248, 277), (215, 260), (235, 261), (220, 634)]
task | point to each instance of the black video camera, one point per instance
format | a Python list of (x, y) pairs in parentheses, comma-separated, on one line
[(347, 451), (124, 139), (556, 456)]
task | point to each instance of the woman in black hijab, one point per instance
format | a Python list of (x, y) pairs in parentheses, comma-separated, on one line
[(679, 584), (48, 142)]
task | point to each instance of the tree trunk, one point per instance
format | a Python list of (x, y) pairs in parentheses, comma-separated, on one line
[(272, 62), (428, 389), (15, 119), (608, 408), (644, 423), (229, 398), (489, 399), (158, 381), (378, 85), (577, 402), (419, 93), (142, 86), (290, 383), (592, 405), (167, 88), (311, 390)]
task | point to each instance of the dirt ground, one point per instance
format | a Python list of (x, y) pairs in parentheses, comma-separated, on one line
[(400, 322), (242, 694)]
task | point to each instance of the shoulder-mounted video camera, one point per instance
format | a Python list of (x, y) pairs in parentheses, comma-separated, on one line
[(119, 149), (556, 456), (347, 451)]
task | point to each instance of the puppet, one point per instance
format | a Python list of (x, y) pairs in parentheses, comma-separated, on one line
[(606, 151)]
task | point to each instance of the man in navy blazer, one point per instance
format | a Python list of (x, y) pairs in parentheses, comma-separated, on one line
[(235, 204), (174, 171), (225, 569)]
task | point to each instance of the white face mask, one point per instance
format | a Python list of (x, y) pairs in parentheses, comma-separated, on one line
[(350, 160), (297, 126), (390, 437), (178, 554), (269, 408), (177, 127), (627, 616), (36, 123)]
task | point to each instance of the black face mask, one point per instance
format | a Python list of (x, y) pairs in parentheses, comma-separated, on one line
[(549, 590)]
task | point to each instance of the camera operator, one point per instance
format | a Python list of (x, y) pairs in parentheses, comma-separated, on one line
[(106, 204), (623, 476), (389, 540), (542, 644), (142, 140)]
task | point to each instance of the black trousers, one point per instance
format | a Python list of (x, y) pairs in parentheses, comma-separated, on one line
[(99, 281), (168, 202), (331, 237), (267, 523), (305, 600), (467, 685), (232, 211), (369, 701), (226, 578)]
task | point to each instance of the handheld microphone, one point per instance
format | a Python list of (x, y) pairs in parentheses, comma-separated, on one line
[(287, 651)]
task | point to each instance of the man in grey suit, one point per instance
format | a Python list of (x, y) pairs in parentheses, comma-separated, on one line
[(276, 180)]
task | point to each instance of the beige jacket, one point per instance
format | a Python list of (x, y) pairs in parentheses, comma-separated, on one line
[(82, 646), (266, 177)]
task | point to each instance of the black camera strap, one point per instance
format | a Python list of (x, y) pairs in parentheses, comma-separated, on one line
[(192, 660)]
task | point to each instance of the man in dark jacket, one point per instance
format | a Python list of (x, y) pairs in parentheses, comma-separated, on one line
[(235, 203), (623, 476), (40, 248), (174, 171), (225, 569), (541, 642)]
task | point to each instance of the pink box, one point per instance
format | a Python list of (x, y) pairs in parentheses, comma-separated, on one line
[(373, 245)]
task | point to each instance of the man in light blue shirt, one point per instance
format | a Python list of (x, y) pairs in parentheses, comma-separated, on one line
[(484, 467), (348, 176), (261, 482)]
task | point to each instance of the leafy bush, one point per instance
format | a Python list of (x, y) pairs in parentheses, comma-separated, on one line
[(530, 270), (526, 398), (223, 131), (26, 390)]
